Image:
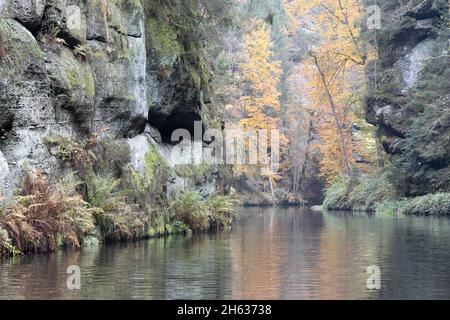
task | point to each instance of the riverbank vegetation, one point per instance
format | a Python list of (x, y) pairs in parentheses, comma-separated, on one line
[(379, 195), (199, 214), (102, 197)]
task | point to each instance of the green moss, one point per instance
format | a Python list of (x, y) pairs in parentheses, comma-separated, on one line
[(162, 37), (80, 78), (72, 78), (147, 189), (196, 78), (19, 48), (152, 159), (196, 174), (89, 85)]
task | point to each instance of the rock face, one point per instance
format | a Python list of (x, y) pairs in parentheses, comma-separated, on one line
[(4, 176), (77, 68), (28, 12), (178, 77), (26, 113), (409, 98)]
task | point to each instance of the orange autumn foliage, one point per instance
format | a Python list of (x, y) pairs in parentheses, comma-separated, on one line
[(334, 72), (260, 103)]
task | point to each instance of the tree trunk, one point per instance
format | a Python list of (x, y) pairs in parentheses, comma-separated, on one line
[(336, 118), (379, 154)]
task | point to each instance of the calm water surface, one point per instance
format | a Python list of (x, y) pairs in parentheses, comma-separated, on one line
[(270, 254)]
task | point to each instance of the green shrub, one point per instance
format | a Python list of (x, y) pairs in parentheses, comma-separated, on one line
[(110, 156), (389, 207), (336, 196), (117, 219), (6, 246), (103, 192), (429, 205), (280, 195), (199, 214), (432, 204), (359, 193), (148, 191), (71, 152), (190, 208), (368, 192), (124, 225), (222, 211), (179, 227), (159, 225)]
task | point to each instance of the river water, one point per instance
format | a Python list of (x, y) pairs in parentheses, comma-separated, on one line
[(271, 253)]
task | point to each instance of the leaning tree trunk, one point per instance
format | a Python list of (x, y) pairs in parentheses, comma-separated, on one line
[(342, 145)]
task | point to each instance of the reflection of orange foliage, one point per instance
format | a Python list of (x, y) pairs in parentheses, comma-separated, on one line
[(254, 277)]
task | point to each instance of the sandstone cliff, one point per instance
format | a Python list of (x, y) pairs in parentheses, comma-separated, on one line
[(78, 68)]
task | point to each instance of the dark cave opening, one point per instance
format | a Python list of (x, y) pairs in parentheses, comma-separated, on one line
[(6, 127), (184, 120)]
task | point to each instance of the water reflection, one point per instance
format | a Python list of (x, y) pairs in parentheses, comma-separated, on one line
[(270, 254)]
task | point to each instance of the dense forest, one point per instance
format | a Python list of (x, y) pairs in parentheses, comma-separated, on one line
[(350, 98)]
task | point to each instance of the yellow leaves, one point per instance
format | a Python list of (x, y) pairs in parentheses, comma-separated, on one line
[(260, 103), (262, 74), (338, 58), (331, 160), (336, 22)]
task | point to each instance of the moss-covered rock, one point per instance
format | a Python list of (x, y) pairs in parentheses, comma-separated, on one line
[(26, 111), (28, 12), (97, 76), (178, 73), (162, 41), (119, 76), (72, 82), (412, 92), (67, 19)]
